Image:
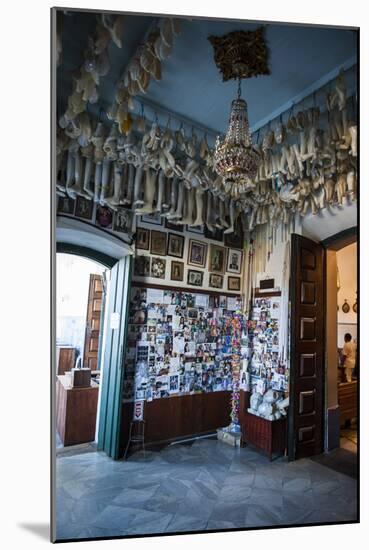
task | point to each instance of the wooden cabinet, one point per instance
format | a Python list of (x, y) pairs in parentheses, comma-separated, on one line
[(268, 436), (347, 401), (75, 412)]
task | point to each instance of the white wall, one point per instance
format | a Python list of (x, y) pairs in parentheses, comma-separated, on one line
[(347, 268), (329, 221)]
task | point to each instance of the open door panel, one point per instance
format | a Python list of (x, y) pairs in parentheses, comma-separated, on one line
[(306, 411)]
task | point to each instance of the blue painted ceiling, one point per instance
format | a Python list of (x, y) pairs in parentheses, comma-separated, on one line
[(191, 84)]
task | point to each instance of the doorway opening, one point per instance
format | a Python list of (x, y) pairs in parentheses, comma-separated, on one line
[(80, 302)]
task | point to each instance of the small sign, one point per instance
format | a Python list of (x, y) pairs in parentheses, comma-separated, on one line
[(114, 320), (138, 410)]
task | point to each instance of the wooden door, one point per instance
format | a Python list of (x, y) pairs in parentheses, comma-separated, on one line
[(306, 418), (93, 320)]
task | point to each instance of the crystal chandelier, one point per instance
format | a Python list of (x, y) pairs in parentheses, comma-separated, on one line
[(235, 159)]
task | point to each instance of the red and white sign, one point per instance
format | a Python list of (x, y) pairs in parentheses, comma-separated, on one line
[(138, 411)]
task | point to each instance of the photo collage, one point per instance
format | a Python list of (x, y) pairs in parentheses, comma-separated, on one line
[(178, 344)]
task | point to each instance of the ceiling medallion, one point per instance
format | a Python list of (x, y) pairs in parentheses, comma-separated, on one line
[(238, 55)]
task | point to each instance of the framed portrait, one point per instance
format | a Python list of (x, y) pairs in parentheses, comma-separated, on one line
[(65, 205), (234, 283), (143, 238), (215, 280), (175, 245), (195, 229), (197, 252), (142, 266), (173, 226), (158, 266), (158, 243), (194, 277), (84, 208), (123, 220), (104, 217), (176, 271), (155, 219), (217, 259), (234, 260)]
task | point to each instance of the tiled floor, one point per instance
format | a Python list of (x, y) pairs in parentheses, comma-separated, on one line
[(202, 486)]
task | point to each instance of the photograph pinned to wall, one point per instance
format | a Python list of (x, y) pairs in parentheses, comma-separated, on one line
[(66, 205), (197, 252), (234, 261), (234, 283), (173, 226), (142, 266), (177, 271), (194, 277), (158, 243), (215, 280), (175, 245), (195, 229), (158, 268), (174, 383), (104, 217), (143, 238), (123, 220), (217, 259), (154, 219), (84, 208)]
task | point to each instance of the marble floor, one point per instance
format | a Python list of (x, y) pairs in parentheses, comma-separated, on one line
[(198, 486)]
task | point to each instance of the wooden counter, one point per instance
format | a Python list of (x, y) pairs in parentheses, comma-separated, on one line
[(347, 401), (75, 412)]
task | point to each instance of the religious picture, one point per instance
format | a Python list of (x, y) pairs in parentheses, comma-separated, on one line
[(158, 268), (215, 280), (176, 272), (104, 217), (142, 266), (158, 243), (234, 283), (197, 253), (123, 220), (217, 258), (84, 208), (195, 278), (234, 262), (175, 245), (143, 238), (65, 205)]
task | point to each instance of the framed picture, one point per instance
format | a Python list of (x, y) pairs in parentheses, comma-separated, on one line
[(65, 205), (217, 259), (155, 219), (176, 271), (143, 238), (104, 217), (216, 234), (173, 226), (123, 220), (142, 266), (215, 280), (158, 266), (197, 253), (235, 239), (195, 278), (158, 243), (175, 245), (84, 208), (234, 283), (234, 261), (195, 229)]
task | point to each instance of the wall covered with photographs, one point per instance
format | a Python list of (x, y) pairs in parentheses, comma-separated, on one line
[(181, 256)]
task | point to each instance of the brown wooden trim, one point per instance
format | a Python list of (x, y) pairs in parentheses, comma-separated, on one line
[(195, 290), (341, 239), (267, 294)]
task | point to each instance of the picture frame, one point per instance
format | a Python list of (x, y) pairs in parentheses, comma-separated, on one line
[(234, 283), (154, 219), (104, 217), (215, 235), (158, 243), (197, 252), (195, 229), (66, 205), (158, 267), (143, 238), (235, 239), (215, 280), (123, 219), (173, 226), (176, 271), (142, 266), (234, 260), (84, 208), (217, 259), (194, 277), (175, 245)]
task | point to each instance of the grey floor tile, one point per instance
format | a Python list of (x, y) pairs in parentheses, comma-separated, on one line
[(296, 485), (263, 516), (181, 523)]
